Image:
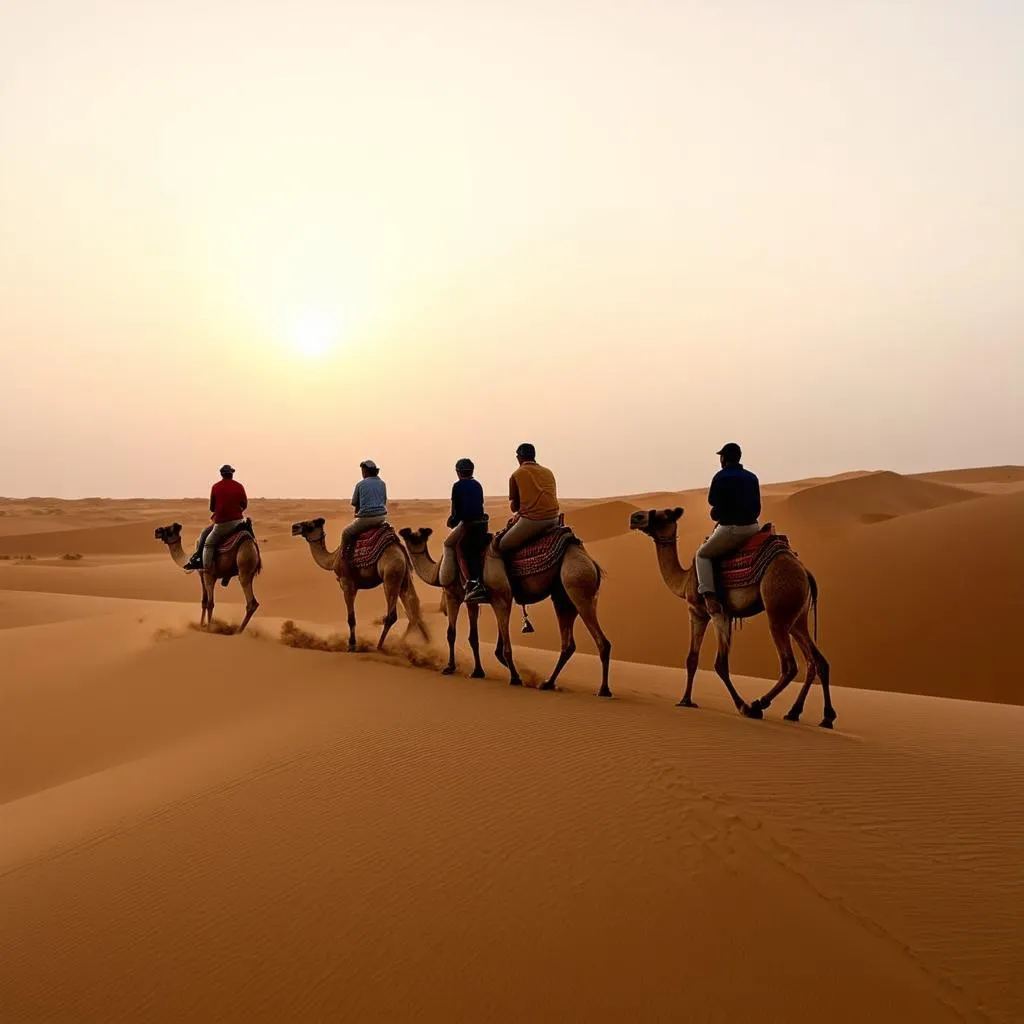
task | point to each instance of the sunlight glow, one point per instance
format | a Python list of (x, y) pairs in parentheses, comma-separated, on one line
[(313, 335)]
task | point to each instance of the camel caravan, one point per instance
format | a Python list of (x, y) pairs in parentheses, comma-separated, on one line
[(742, 569)]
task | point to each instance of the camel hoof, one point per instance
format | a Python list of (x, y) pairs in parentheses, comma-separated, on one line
[(478, 673), (684, 703), (793, 716), (825, 723), (448, 670), (752, 711), (548, 684), (515, 682), (604, 692)]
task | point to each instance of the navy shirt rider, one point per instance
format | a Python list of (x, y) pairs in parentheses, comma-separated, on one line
[(467, 502), (735, 496)]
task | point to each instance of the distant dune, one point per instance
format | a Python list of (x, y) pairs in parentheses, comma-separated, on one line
[(601, 520), (980, 475), (871, 498)]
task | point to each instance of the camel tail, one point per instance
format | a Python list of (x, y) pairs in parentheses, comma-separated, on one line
[(814, 602)]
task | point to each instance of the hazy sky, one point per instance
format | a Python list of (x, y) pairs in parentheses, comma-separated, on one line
[(292, 234)]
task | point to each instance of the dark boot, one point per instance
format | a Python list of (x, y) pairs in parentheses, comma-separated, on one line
[(476, 593), (195, 562)]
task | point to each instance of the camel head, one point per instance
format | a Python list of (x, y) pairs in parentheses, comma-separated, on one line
[(415, 540), (311, 530), (168, 534), (659, 525)]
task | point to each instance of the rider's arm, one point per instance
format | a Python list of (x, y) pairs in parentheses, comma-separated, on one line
[(513, 494), (213, 501), (355, 498), (244, 503)]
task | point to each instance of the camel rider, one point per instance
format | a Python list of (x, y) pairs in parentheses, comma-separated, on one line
[(370, 501), (468, 525), (228, 503), (532, 495), (735, 500)]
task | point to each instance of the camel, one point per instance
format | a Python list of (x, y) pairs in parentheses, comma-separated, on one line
[(787, 592), (241, 559), (392, 569), (452, 598), (572, 585)]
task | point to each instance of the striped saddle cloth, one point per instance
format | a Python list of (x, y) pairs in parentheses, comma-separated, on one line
[(746, 567), (244, 532), (371, 545), (541, 554)]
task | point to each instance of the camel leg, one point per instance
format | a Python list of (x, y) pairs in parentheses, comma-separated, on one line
[(503, 614), (474, 640), (348, 590), (816, 666), (723, 627), (587, 606), (251, 604), (794, 713), (411, 603), (787, 666), (567, 613), (210, 587), (202, 611), (698, 627), (391, 590), (452, 605)]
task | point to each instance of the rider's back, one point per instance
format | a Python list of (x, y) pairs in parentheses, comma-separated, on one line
[(538, 495), (228, 499)]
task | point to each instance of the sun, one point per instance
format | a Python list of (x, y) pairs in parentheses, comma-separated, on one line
[(313, 335)]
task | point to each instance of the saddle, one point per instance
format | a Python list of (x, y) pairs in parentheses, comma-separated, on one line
[(241, 532), (747, 566), (233, 539), (371, 545), (540, 554)]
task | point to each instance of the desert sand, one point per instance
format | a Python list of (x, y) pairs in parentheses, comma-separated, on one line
[(220, 827)]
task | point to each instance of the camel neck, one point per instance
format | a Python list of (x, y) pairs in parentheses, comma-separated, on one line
[(672, 572), (178, 553), (324, 558), (426, 568)]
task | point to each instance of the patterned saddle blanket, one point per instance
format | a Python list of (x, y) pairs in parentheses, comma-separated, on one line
[(245, 531), (541, 554), (371, 545), (746, 567)]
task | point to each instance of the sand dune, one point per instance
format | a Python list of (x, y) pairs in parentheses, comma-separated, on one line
[(601, 520), (222, 827), (129, 538), (355, 829), (870, 498), (980, 475)]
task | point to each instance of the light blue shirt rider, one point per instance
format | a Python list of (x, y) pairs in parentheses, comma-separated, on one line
[(370, 498)]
